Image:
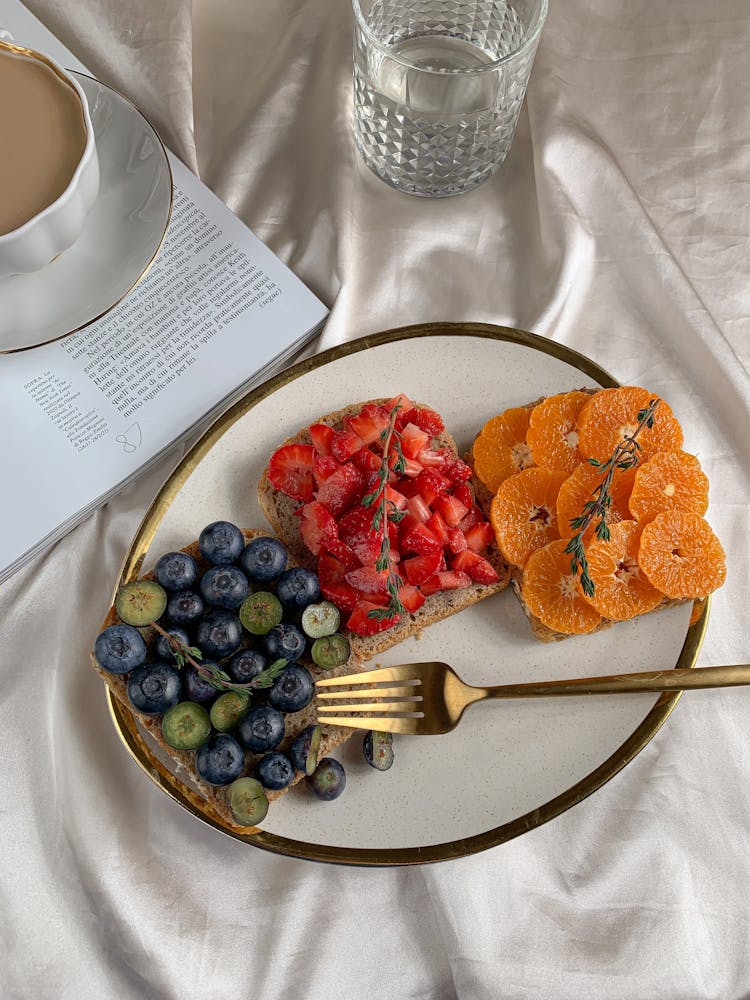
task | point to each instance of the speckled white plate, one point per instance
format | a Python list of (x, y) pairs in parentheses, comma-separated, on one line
[(120, 239), (509, 766)]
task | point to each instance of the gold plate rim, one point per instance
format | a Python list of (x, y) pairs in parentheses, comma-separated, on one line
[(154, 255), (125, 724)]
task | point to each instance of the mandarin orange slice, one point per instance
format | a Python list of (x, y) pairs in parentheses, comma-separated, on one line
[(500, 448), (553, 430), (579, 488), (669, 480), (523, 513), (612, 414), (621, 590), (681, 556), (553, 593)]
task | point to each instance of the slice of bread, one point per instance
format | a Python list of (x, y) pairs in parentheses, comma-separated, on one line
[(215, 797), (541, 631), (280, 509)]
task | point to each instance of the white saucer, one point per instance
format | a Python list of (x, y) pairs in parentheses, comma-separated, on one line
[(122, 235)]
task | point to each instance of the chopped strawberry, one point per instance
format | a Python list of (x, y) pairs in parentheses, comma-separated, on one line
[(369, 579), (394, 497), (438, 527), (323, 467), (426, 419), (413, 440), (330, 569), (445, 580), (421, 568), (418, 509), (406, 487), (410, 597), (355, 529), (418, 538), (342, 489), (475, 516), (317, 526), (457, 471), (478, 568), (401, 400), (361, 623), (451, 509), (431, 484), (341, 594), (344, 444), (412, 468), (463, 492), (479, 536), (369, 423), (439, 459), (321, 435), (366, 460), (291, 471), (456, 540), (342, 552)]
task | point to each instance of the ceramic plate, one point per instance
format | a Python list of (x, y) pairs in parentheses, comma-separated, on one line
[(123, 232), (509, 766)]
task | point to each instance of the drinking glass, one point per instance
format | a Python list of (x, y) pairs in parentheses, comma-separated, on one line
[(438, 87)]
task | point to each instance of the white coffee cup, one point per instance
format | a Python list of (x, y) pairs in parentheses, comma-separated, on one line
[(43, 236)]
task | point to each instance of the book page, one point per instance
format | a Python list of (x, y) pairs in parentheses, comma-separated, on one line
[(81, 416)]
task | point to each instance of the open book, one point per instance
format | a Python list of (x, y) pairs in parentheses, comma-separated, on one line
[(81, 417)]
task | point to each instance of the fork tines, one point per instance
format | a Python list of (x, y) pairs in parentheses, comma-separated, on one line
[(373, 684)]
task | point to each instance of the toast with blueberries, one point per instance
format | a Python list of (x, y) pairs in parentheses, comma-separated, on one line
[(184, 647)]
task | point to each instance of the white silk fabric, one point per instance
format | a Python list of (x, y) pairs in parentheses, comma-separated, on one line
[(618, 226)]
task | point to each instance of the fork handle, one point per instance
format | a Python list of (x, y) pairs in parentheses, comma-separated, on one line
[(656, 680)]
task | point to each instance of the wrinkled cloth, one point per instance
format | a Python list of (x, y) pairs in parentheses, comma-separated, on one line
[(618, 226)]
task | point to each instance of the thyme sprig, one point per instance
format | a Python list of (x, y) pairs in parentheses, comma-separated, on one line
[(625, 456), (215, 676), (386, 511)]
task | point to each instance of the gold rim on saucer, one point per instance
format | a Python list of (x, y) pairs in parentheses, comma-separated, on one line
[(132, 738), (147, 267)]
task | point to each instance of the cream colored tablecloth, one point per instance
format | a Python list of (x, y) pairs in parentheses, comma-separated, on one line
[(619, 225)]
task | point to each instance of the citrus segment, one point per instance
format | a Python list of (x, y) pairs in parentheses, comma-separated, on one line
[(553, 431), (500, 448), (612, 414), (621, 590), (579, 488), (523, 513), (670, 480), (553, 593), (681, 556)]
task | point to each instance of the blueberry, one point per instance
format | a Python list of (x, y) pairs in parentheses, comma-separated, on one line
[(197, 688), (176, 571), (154, 687), (263, 559), (220, 760), (245, 665), (120, 648), (221, 543), (303, 753), (261, 729), (164, 649), (328, 780), (378, 749), (224, 587), (274, 771), (297, 588), (185, 607), (284, 642), (219, 633), (292, 690)]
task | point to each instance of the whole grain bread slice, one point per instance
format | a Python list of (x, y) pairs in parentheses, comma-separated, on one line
[(183, 761), (280, 510), (541, 631)]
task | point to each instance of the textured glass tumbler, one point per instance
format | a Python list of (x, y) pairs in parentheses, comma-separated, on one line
[(438, 87)]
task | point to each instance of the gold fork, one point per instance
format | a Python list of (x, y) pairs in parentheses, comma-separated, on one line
[(424, 699)]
